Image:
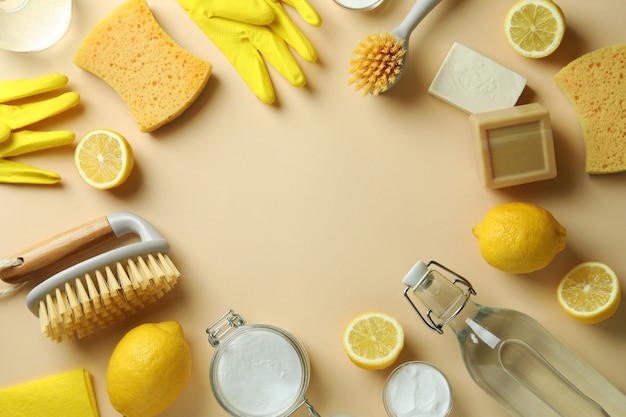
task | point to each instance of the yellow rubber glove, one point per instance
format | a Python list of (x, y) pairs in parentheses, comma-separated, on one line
[(18, 142), (247, 31), (17, 116)]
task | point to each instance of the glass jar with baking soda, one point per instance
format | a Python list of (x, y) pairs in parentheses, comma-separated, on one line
[(257, 370)]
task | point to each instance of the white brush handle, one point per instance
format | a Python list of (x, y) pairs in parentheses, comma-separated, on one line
[(419, 10), (75, 245)]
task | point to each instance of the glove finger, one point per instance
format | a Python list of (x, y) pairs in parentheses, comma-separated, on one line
[(26, 141), (26, 114), (17, 173), (306, 11), (274, 49), (16, 89), (255, 12), (5, 132), (290, 33), (251, 66), (234, 39)]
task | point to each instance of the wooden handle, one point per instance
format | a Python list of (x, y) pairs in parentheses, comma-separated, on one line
[(59, 252)]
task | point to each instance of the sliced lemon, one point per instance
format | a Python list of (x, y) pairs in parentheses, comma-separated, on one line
[(590, 292), (104, 159), (373, 340), (534, 28)]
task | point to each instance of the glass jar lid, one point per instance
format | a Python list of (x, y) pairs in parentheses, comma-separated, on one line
[(260, 371)]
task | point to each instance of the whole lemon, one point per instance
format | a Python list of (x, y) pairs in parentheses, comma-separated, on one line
[(519, 237), (148, 369)]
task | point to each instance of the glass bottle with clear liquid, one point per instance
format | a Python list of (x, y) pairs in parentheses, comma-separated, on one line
[(510, 355)]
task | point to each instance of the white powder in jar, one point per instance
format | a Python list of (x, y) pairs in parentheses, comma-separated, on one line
[(260, 373), (417, 389)]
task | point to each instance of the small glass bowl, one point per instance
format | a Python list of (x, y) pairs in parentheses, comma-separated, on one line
[(414, 380), (359, 5)]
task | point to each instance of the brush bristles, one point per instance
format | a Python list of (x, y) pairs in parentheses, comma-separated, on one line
[(378, 61), (104, 297)]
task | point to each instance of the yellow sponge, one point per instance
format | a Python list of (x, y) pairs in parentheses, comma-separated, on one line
[(595, 85), (157, 79)]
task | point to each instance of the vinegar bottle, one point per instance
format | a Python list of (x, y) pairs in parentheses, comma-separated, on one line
[(510, 355)]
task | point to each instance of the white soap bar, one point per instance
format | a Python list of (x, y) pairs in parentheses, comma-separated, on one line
[(474, 83)]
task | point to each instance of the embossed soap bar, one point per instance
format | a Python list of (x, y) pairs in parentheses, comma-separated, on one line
[(514, 146), (475, 83)]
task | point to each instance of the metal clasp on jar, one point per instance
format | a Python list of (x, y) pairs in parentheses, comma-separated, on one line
[(222, 326)]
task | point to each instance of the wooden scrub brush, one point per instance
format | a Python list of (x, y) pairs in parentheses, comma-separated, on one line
[(84, 294)]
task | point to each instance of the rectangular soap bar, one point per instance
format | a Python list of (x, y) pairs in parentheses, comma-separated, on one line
[(514, 146), (474, 83)]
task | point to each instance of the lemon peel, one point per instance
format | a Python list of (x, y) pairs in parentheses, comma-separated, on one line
[(519, 237), (148, 369)]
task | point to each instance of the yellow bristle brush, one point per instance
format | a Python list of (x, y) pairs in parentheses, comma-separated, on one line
[(84, 295), (381, 58)]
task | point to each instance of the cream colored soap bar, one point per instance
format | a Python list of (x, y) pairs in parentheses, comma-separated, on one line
[(514, 146), (474, 83)]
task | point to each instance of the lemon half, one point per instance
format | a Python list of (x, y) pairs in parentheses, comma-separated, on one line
[(590, 292), (534, 28), (104, 159), (373, 340)]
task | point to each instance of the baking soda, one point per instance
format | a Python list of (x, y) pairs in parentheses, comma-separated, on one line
[(417, 389), (359, 5), (260, 373)]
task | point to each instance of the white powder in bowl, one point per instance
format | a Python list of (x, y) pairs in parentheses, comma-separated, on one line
[(359, 5), (259, 373), (417, 389)]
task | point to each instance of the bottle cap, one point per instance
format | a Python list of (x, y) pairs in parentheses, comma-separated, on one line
[(415, 275)]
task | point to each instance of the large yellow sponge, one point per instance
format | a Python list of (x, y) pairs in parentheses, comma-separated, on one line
[(157, 79), (595, 85)]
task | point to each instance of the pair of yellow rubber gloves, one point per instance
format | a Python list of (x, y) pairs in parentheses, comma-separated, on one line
[(248, 32), (15, 141)]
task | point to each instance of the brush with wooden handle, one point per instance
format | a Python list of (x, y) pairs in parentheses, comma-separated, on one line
[(81, 293)]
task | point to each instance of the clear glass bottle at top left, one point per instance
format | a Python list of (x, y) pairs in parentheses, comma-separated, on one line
[(510, 355)]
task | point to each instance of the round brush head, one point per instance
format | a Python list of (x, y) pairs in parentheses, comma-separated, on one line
[(378, 62)]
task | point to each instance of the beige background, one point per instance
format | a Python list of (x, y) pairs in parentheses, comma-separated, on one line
[(308, 212)]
